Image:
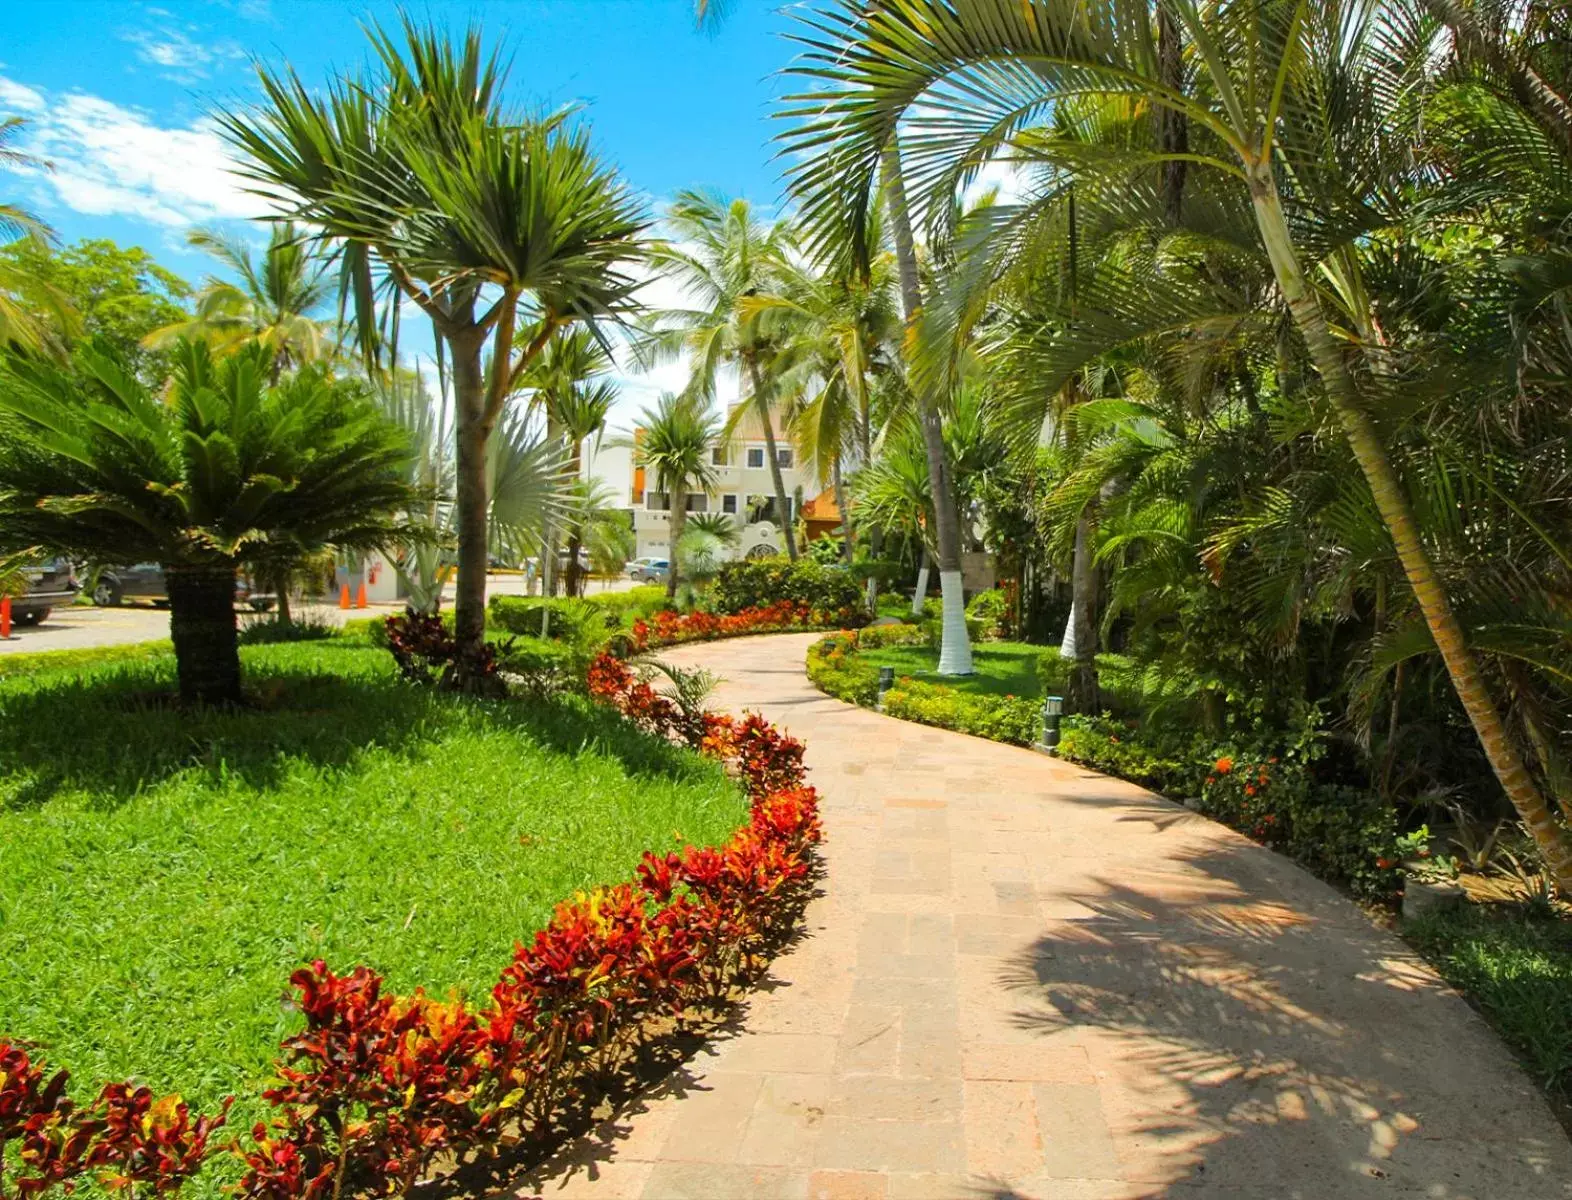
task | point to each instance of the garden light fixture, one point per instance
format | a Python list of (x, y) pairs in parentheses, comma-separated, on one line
[(1053, 706)]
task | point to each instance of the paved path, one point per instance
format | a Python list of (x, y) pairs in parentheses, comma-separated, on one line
[(1027, 980)]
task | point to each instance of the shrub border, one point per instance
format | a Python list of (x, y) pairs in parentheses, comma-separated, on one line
[(377, 1088)]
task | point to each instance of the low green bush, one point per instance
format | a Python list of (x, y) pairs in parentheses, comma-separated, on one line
[(626, 607), (570, 619), (1172, 763), (272, 631), (835, 669), (758, 583), (932, 621), (875, 637), (989, 610), (1013, 719)]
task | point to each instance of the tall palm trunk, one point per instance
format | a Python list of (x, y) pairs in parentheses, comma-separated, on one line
[(1392, 503), (281, 581), (470, 500), (761, 405), (572, 584), (1082, 694), (678, 500), (920, 592), (202, 627), (838, 485), (955, 648)]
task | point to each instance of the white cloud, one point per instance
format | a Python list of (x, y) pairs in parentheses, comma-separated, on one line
[(177, 55), (109, 160), (15, 98)]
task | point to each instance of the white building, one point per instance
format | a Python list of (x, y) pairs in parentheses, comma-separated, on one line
[(744, 489)]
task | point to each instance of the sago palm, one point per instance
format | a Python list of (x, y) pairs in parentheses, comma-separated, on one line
[(224, 473)]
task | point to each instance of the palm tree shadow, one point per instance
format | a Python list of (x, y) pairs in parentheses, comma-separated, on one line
[(109, 735), (1287, 1044)]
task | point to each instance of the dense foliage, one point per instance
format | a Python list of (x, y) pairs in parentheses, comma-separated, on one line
[(754, 583)]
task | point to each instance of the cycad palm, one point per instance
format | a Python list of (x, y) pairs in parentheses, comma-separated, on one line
[(227, 472)]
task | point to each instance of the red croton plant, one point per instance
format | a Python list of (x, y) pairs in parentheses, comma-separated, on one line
[(377, 1088)]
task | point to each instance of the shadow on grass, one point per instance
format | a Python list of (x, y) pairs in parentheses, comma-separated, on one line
[(111, 732)]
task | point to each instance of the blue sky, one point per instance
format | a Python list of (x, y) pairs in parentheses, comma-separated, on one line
[(117, 95)]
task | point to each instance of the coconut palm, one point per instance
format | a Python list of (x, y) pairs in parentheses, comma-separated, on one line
[(269, 303), (1295, 112), (673, 444), (19, 326), (563, 385), (485, 218), (722, 256), (227, 472)]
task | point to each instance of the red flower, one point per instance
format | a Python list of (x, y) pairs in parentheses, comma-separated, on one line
[(1223, 765)]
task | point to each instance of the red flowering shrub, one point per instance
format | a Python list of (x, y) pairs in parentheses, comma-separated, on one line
[(375, 1086), (666, 628), (132, 1140)]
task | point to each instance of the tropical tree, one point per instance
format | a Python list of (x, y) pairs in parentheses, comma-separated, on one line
[(485, 218), (1297, 114), (722, 256), (226, 472), (673, 445), (567, 385), (271, 303), (20, 327)]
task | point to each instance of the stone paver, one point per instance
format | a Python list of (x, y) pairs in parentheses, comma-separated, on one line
[(1025, 980)]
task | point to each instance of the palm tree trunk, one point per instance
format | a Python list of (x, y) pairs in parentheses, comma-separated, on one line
[(1392, 503), (1082, 694), (678, 499), (761, 405), (202, 627), (572, 584), (470, 498), (875, 535), (838, 484), (281, 581), (955, 648), (920, 592)]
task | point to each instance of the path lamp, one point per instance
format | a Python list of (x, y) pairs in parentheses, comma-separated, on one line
[(886, 682), (1053, 706)]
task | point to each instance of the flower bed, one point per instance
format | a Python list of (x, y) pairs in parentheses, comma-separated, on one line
[(376, 1088), (670, 628)]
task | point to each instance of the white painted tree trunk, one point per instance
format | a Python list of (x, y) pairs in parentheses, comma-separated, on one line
[(921, 594), (955, 651), (1067, 644)]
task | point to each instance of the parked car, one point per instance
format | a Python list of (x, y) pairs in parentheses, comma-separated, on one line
[(648, 570), (49, 585), (145, 581)]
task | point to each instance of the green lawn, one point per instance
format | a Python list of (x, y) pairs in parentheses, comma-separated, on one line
[(162, 874), (1518, 971), (1002, 668)]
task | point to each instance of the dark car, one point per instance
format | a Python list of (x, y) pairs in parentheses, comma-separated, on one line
[(145, 581), (49, 585)]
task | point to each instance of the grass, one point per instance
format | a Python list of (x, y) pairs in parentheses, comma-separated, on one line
[(32, 662), (162, 873), (1002, 668), (1518, 971)]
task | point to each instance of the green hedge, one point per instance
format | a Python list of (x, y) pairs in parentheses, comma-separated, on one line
[(758, 583), (28, 663), (629, 606)]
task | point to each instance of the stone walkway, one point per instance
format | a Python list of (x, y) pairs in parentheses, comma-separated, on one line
[(1027, 980)]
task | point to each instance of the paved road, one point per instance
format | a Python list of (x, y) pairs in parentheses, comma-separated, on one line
[(1026, 980), (77, 626)]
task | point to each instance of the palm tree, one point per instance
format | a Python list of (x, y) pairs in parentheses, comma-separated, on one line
[(227, 472), (1271, 122), (722, 255), (564, 387), (673, 445), (19, 326), (268, 304), (483, 217)]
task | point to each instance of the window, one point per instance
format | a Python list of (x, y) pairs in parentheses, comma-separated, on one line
[(729, 502), (755, 457), (656, 501), (698, 502), (783, 457), (719, 457)]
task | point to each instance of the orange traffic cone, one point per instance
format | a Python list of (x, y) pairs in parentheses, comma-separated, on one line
[(360, 596), (5, 616), (343, 596)]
